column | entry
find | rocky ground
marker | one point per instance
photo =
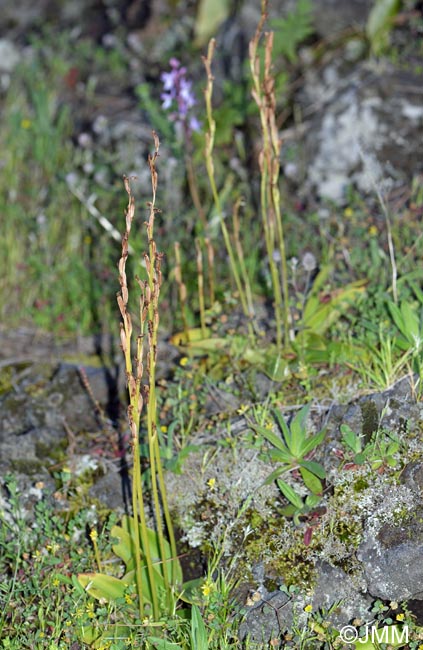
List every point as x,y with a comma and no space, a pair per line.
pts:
360,121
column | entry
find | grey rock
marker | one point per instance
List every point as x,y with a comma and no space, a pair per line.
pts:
334,586
331,16
412,476
271,615
9,55
366,129
109,489
392,560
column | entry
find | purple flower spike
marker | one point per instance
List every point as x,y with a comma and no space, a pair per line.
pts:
179,97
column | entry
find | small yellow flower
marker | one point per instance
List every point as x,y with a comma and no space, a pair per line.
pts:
146,620
56,582
90,610
93,535
211,483
348,212
163,428
26,124
183,362
243,409
41,635
53,548
308,609
208,588
400,617
373,231
128,600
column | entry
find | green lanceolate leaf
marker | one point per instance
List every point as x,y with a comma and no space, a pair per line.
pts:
191,591
379,23
412,324
311,481
299,431
290,494
276,473
100,586
199,639
126,547
312,500
314,468
319,315
283,427
311,443
351,439
273,438
281,457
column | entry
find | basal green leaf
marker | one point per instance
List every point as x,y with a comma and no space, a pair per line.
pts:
311,481
125,546
281,457
199,640
311,443
411,323
271,437
319,315
314,468
191,591
380,22
283,426
351,439
313,500
99,586
298,430
290,494
275,474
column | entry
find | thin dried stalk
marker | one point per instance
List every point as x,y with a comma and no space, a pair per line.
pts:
210,171
200,280
182,290
210,263
263,93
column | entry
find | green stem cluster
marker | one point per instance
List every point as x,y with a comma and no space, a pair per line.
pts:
139,395
247,307
263,93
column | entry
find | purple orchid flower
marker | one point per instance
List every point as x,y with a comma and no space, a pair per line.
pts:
178,93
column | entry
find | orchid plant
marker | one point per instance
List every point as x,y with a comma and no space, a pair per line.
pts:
178,95
178,98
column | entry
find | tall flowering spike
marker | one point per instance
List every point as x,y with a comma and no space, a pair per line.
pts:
178,97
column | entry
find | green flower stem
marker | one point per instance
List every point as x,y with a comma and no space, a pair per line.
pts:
264,96
153,262
210,171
